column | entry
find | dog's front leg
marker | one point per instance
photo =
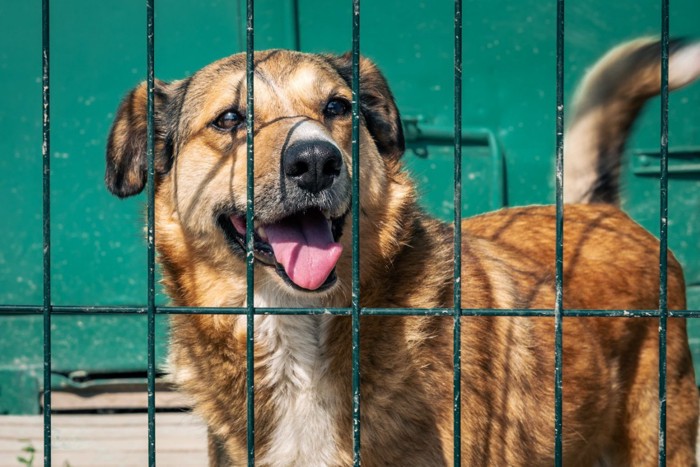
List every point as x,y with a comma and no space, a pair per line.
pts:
217,451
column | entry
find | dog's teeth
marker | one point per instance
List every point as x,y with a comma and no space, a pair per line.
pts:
256,224
326,213
261,233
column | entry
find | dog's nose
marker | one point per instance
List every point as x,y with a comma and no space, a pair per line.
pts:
313,165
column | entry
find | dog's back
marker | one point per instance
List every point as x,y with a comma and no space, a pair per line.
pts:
303,364
610,262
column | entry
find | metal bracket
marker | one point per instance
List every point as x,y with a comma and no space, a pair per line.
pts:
680,161
419,135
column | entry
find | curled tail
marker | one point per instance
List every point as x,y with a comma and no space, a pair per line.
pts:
605,107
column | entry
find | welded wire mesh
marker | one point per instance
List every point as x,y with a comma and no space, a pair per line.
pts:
355,311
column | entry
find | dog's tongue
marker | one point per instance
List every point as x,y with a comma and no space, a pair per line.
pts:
304,246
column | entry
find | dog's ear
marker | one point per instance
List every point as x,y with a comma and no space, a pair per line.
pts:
127,163
377,104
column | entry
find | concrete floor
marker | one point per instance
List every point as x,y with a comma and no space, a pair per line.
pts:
106,440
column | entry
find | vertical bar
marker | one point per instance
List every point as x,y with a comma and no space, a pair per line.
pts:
558,306
294,17
250,258
150,144
663,232
356,231
46,156
457,299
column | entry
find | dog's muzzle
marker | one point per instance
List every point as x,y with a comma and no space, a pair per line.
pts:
312,165
298,233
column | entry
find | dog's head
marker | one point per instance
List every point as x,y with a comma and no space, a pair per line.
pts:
302,142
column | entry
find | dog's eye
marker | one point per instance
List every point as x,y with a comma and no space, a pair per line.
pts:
228,120
337,107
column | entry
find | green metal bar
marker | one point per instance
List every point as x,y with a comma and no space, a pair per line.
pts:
683,313
291,12
675,169
356,231
250,257
559,303
46,157
30,310
151,305
437,312
426,133
498,178
663,232
681,160
457,284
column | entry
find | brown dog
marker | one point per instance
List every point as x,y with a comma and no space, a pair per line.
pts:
302,198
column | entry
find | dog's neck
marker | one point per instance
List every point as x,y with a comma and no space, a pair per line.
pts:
303,362
293,348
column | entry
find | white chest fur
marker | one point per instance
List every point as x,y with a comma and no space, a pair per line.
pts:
294,369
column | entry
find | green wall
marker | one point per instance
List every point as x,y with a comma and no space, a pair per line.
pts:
98,54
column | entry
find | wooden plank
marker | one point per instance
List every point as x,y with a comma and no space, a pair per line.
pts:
65,400
106,440
114,395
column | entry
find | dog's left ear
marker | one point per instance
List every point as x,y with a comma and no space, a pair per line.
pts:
377,104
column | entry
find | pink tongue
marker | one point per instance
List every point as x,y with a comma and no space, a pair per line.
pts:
304,246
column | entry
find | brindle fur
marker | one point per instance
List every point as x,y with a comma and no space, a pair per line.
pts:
610,365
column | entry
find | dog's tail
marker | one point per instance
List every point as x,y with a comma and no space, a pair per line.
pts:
605,107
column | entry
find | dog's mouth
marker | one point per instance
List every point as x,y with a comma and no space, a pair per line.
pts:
303,247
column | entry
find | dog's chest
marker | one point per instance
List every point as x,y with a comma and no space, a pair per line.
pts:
294,369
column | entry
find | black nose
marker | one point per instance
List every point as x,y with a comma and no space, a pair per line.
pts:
313,165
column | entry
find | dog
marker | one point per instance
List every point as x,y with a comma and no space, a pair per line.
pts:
303,399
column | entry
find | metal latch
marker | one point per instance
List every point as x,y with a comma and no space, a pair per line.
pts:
420,133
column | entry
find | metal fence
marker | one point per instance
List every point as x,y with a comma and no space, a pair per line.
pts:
355,311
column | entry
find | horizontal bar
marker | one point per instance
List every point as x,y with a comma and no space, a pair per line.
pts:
470,136
680,160
29,310
19,310
689,168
